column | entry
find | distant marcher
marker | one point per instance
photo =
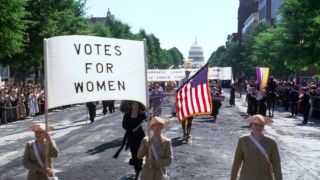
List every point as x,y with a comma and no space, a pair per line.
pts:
305,104
105,107
34,155
294,98
186,123
161,150
132,123
216,105
232,95
262,103
156,96
257,154
252,102
92,108
111,106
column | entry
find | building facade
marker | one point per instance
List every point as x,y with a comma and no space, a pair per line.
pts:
249,24
246,8
268,10
196,55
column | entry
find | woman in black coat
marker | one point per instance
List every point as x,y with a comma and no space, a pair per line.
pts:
132,123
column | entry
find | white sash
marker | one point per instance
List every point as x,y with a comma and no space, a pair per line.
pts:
164,175
263,151
36,152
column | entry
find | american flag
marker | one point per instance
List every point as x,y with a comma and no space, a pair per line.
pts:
194,96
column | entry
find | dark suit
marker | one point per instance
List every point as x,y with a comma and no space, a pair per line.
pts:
92,106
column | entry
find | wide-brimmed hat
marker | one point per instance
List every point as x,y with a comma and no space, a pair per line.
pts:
259,119
159,120
39,127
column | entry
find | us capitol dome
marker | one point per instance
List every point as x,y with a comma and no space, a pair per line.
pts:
196,55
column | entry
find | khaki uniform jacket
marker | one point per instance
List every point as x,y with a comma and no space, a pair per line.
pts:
164,152
254,163
30,161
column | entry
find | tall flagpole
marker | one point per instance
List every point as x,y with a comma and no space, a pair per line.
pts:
147,95
46,94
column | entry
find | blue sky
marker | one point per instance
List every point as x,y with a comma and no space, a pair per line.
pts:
175,22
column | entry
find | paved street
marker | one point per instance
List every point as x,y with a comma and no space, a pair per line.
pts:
86,150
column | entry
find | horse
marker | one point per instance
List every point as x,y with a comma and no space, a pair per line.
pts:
271,100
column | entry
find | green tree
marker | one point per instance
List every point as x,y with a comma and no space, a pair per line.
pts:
51,18
300,25
176,56
12,29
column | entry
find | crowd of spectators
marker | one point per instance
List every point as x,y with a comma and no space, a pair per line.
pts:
285,89
21,102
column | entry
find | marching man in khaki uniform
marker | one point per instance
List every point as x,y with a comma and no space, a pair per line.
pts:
161,152
257,153
34,155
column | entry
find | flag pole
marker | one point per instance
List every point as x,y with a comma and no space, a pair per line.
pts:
46,94
147,96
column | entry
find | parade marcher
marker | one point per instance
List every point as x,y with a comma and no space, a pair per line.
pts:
216,103
173,99
35,154
294,98
252,101
111,106
241,88
305,104
286,98
257,154
232,95
132,123
272,85
161,152
156,94
104,107
92,107
187,123
262,103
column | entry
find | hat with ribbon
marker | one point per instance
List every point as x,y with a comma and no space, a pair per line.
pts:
39,127
259,119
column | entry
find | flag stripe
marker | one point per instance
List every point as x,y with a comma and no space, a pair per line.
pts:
206,98
198,102
189,102
186,97
194,96
194,100
202,99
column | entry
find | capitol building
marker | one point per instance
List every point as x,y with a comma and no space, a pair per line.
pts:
196,55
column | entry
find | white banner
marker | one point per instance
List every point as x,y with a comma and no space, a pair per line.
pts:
221,73
87,68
